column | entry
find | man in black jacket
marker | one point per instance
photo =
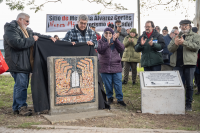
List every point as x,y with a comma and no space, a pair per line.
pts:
18,39
151,44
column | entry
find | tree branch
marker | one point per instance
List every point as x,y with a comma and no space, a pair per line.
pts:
162,4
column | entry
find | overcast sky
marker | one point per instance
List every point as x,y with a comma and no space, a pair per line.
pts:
38,20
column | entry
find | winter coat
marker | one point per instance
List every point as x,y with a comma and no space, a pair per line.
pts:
191,46
167,40
151,55
17,47
129,54
110,60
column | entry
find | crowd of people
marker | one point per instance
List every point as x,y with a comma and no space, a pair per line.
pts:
118,50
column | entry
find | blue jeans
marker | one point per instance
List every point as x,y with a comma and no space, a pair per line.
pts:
113,78
153,68
20,90
187,76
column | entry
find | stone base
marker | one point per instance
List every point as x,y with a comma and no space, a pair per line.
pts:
162,100
75,116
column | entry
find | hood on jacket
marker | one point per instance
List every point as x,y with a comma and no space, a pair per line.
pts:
14,24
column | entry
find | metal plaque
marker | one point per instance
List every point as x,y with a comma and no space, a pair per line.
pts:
162,78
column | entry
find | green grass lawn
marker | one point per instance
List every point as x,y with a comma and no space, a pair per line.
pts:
6,91
125,117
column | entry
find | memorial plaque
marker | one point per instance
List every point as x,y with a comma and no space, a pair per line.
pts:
162,78
162,92
73,84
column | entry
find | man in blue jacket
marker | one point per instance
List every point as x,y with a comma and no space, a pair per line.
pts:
166,66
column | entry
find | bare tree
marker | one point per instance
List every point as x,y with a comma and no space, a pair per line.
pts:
20,4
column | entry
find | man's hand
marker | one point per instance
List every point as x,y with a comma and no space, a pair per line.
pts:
176,40
114,37
132,40
35,38
151,42
143,41
119,29
73,43
181,40
117,35
129,39
90,43
53,39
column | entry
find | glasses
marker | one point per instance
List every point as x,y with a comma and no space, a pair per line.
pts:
83,23
108,33
119,25
182,26
147,27
26,21
176,34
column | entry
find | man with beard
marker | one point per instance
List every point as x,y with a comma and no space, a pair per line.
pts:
185,47
151,44
165,31
18,44
81,33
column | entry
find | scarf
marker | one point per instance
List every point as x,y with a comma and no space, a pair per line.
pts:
31,48
149,34
111,42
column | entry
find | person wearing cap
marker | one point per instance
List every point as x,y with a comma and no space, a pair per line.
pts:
151,44
166,54
185,47
109,48
97,34
130,57
121,34
165,31
197,70
81,33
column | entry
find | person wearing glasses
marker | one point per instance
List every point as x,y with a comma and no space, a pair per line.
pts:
166,54
109,48
121,34
185,47
18,45
151,44
81,33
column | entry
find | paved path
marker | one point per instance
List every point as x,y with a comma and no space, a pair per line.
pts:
78,129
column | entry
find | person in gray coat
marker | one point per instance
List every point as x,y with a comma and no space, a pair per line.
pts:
121,34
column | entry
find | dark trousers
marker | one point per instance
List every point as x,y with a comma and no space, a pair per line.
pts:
188,74
122,63
127,66
197,80
153,68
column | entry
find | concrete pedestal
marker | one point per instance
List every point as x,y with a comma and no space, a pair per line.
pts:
162,99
